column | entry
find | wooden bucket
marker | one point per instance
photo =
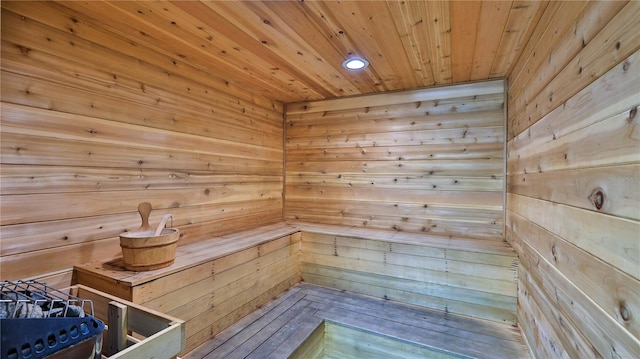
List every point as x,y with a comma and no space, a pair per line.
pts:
147,249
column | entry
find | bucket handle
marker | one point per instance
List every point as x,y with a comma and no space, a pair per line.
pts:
144,209
162,224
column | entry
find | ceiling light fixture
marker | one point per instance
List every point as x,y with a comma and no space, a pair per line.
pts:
355,63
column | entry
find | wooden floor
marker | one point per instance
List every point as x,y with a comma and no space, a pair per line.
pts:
278,328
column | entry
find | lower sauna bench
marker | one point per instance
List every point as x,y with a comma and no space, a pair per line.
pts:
313,322
213,283
467,276
459,294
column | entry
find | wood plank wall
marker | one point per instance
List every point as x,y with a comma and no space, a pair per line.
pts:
573,205
429,160
93,124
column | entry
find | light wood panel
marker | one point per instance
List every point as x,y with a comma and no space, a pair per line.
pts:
349,343
580,58
85,33
551,29
40,81
452,277
573,213
613,239
290,51
578,188
428,160
94,123
612,290
312,347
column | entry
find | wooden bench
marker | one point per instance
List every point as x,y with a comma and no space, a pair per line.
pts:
215,283
466,276
212,284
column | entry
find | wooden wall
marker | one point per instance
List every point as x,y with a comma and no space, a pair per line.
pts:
573,205
93,124
428,160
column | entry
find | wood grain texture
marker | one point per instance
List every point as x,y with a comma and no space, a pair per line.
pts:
285,51
478,283
573,213
310,321
611,289
107,104
580,60
212,283
418,161
93,124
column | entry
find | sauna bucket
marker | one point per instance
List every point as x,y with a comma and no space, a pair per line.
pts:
148,249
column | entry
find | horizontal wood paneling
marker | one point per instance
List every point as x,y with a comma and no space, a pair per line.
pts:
83,33
436,152
573,211
36,235
349,343
612,239
612,290
44,179
428,160
94,123
479,282
594,44
154,106
576,188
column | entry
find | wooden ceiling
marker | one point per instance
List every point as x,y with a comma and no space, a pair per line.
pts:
291,51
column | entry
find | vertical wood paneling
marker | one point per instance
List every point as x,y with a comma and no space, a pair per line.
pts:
573,213
410,24
516,34
493,17
464,23
421,161
431,26
94,123
291,51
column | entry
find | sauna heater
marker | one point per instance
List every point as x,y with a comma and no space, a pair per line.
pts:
38,321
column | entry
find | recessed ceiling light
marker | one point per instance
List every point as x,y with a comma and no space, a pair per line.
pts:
355,63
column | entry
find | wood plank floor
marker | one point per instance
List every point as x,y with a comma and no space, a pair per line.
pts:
278,328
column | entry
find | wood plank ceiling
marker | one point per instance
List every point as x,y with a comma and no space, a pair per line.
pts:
291,51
